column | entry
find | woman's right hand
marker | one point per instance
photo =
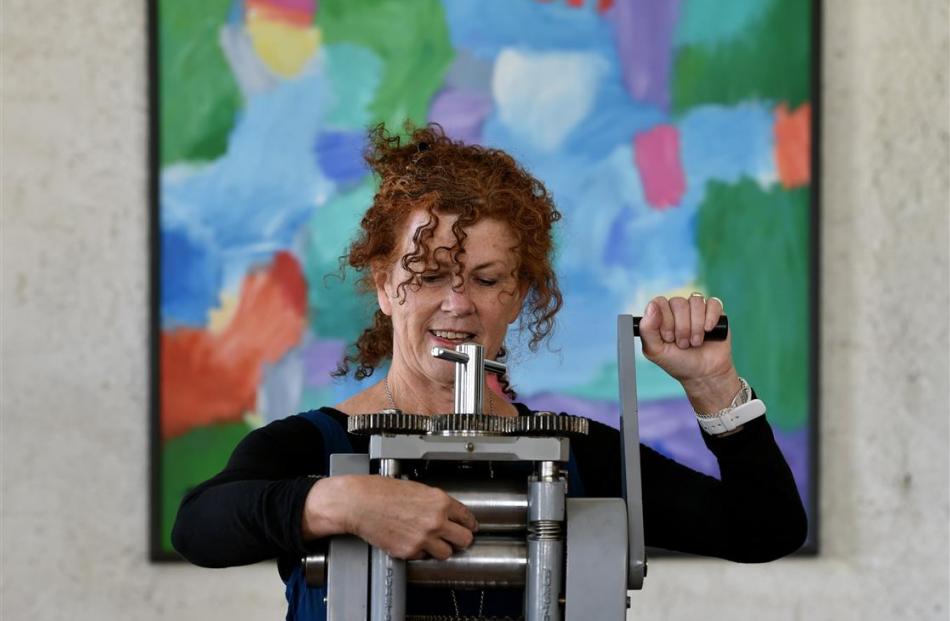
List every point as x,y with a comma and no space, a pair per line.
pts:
408,520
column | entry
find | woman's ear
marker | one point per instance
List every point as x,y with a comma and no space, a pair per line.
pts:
381,280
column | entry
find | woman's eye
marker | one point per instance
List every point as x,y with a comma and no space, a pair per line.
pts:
487,282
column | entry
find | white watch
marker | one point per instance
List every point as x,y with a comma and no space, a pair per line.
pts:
742,409
731,418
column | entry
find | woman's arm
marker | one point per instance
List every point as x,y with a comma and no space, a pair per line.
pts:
251,511
269,502
754,514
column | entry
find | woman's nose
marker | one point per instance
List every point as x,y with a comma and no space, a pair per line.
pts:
457,301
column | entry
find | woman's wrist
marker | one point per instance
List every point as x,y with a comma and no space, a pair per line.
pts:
713,393
324,512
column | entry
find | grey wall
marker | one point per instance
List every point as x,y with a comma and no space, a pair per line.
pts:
74,346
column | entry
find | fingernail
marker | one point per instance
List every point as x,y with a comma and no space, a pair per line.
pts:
651,309
683,343
668,337
695,341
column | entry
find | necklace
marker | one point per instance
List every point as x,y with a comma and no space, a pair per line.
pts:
491,411
392,402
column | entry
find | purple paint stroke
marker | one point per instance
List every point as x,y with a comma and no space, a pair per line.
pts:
461,113
320,359
606,412
644,36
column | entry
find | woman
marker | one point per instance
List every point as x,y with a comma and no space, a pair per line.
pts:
457,246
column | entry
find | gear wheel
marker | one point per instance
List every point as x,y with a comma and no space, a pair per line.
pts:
389,421
551,424
398,422
471,424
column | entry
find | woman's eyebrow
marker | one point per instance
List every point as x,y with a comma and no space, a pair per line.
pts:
486,264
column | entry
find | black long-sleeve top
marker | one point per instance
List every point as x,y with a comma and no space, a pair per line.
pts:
252,510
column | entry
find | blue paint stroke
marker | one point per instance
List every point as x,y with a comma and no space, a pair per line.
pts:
340,155
727,143
485,28
190,275
252,201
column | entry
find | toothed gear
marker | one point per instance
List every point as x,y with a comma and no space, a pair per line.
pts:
550,424
472,424
400,423
389,421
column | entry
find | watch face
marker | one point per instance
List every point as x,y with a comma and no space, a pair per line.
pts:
744,396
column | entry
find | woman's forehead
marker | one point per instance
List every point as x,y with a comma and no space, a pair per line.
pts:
488,237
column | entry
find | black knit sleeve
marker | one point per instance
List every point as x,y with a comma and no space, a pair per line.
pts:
252,510
753,514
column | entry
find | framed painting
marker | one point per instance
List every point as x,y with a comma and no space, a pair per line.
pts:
678,137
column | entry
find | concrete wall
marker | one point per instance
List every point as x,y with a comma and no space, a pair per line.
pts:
75,350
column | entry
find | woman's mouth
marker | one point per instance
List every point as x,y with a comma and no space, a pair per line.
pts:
451,337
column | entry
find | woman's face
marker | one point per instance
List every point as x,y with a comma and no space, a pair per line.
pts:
432,314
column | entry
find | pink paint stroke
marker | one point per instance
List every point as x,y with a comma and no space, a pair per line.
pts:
657,157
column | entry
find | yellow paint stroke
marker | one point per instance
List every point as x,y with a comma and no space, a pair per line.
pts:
283,47
219,318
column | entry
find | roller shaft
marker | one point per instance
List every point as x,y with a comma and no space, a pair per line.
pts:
499,506
490,562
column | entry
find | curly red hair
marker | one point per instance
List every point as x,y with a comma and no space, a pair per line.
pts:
428,170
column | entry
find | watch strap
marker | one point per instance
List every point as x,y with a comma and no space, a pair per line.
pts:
732,418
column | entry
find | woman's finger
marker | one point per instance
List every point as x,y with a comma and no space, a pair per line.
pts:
457,535
681,321
666,318
697,318
650,327
713,313
437,548
460,514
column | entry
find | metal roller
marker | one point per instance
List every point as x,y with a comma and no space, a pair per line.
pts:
499,506
491,562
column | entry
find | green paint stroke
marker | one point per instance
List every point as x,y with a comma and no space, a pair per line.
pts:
755,255
198,95
411,39
192,459
769,60
709,22
336,310
354,72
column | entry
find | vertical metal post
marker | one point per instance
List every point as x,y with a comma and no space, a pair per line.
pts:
630,447
545,576
470,379
348,562
387,574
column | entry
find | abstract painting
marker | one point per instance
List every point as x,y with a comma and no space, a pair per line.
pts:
677,137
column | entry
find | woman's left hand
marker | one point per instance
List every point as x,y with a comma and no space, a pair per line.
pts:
673,335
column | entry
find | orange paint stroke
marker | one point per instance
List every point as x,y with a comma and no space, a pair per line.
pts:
285,14
213,377
793,145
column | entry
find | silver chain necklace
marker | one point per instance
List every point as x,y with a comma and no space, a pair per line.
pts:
491,411
392,402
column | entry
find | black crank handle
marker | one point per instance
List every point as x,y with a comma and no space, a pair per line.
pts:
718,333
